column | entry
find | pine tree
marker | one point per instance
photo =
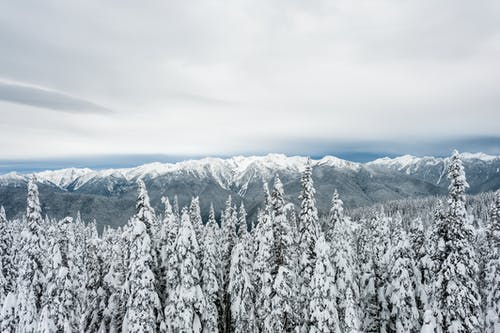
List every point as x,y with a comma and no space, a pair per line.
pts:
60,312
210,276
323,302
7,271
168,236
336,214
229,219
8,323
283,269
262,270
94,296
242,222
241,289
189,298
457,294
309,231
143,312
423,271
195,217
492,276
115,283
344,260
31,277
401,293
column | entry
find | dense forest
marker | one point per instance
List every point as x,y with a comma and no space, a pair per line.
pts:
423,265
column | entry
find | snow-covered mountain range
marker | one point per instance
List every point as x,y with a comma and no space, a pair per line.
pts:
103,194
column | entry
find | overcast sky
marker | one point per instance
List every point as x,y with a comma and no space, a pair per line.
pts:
213,77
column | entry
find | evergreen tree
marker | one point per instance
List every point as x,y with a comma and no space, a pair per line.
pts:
283,269
242,222
143,312
31,277
115,283
229,219
457,294
423,265
336,214
401,292
210,276
344,260
241,289
195,217
60,312
309,231
262,269
323,301
7,271
189,298
94,296
8,323
492,276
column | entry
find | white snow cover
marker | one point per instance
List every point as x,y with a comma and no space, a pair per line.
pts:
235,170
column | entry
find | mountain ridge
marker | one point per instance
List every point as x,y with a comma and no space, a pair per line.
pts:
108,195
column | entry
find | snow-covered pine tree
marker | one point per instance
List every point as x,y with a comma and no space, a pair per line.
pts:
374,260
492,276
262,271
31,257
114,282
457,293
340,236
336,214
143,310
167,238
423,264
61,312
242,222
196,221
210,276
8,322
229,219
94,294
283,269
308,231
189,297
7,271
401,293
241,289
323,297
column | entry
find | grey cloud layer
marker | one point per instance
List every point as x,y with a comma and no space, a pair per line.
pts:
44,98
205,77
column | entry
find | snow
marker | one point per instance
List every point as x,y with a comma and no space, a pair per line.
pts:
234,171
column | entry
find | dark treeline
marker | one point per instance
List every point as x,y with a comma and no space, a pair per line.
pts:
420,265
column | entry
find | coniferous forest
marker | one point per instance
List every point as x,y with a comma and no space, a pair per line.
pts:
414,266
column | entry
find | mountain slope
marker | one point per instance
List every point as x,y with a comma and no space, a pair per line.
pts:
108,195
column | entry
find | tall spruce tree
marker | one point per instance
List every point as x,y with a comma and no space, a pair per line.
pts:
143,309
492,276
189,299
340,236
210,277
323,297
401,293
263,264
309,231
31,258
456,292
7,270
60,312
283,269
241,289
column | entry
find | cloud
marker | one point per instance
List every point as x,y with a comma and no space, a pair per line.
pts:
228,77
45,98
